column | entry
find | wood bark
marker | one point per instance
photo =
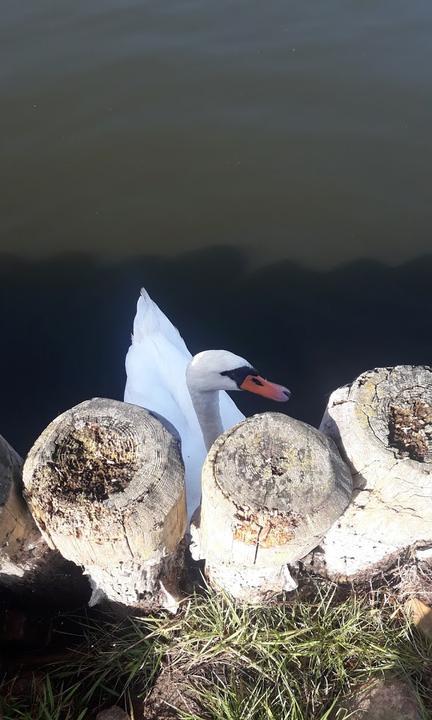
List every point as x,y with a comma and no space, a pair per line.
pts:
105,483
382,424
28,567
271,488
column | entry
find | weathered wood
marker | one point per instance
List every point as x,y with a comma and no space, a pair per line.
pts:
105,484
28,567
382,424
271,488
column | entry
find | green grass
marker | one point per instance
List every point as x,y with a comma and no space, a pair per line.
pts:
295,661
291,661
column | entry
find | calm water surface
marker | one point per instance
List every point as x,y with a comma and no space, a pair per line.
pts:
291,129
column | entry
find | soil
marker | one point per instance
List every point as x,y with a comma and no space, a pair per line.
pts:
171,693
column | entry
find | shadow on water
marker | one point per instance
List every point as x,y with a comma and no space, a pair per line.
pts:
66,325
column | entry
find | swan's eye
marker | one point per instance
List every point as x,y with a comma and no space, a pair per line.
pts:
256,381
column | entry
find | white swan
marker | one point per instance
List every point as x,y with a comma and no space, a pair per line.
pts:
163,377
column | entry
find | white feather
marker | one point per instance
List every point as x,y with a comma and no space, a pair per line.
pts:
156,365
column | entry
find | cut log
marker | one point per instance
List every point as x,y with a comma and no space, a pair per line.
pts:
382,424
271,487
105,483
28,567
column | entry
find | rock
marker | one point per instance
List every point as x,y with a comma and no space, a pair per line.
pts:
420,615
388,699
382,424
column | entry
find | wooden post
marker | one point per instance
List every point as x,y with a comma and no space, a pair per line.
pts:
105,484
382,424
271,488
28,567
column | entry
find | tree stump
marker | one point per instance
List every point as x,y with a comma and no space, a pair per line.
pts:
271,488
382,424
28,567
105,483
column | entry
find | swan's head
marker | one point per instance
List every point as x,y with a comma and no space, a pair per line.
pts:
222,370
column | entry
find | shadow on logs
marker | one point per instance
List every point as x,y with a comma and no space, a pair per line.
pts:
105,484
271,488
31,572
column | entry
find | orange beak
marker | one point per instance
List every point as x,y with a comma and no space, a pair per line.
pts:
258,385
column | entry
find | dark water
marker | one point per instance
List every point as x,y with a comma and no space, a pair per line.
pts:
231,156
290,129
66,325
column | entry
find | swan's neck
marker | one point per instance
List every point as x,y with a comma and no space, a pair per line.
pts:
206,406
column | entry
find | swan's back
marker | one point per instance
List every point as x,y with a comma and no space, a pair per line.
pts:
156,380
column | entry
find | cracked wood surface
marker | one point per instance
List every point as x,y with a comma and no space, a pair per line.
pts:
271,488
391,510
105,482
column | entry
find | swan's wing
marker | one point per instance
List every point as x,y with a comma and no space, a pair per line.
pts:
156,365
151,321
